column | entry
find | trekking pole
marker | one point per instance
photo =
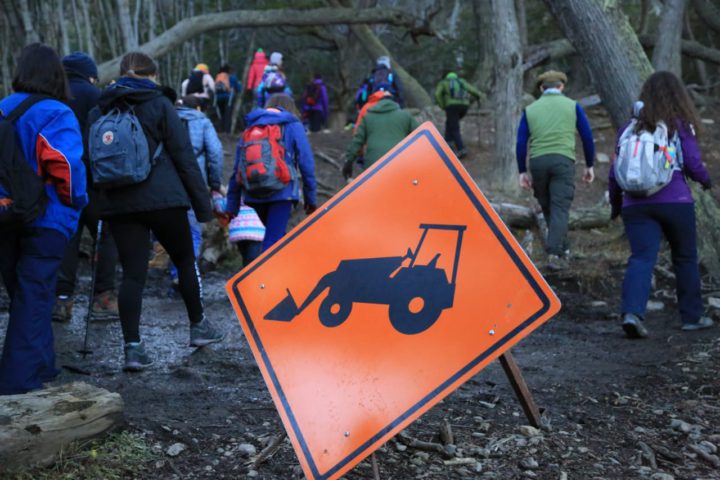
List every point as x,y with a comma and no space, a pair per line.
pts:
91,296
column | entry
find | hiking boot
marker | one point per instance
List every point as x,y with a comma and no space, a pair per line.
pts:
633,326
160,259
204,333
704,322
105,306
557,263
62,311
136,359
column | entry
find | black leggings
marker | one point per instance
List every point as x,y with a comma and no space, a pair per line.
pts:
132,236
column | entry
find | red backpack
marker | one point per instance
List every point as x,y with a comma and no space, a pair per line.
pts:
262,170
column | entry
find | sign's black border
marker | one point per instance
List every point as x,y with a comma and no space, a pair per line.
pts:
323,211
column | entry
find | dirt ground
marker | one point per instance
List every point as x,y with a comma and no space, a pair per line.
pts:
613,408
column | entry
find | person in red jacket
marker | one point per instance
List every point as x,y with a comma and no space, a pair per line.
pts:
257,68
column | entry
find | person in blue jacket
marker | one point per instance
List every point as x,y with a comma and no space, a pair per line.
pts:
275,210
208,152
51,142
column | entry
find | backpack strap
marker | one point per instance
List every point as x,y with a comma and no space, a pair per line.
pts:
24,106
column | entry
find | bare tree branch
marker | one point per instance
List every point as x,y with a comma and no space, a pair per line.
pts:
689,48
196,25
708,12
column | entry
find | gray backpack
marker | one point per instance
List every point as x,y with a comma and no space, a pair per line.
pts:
118,150
646,160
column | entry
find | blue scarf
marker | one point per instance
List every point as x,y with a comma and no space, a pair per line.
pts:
136,83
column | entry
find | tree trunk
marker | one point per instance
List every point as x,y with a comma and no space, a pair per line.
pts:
709,13
126,30
31,36
484,18
699,64
610,49
89,37
707,213
191,27
666,54
37,426
550,51
507,93
521,14
63,28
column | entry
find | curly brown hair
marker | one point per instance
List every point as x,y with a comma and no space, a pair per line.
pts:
666,99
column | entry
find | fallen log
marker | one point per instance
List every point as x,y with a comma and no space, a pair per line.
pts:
589,218
515,216
518,216
36,427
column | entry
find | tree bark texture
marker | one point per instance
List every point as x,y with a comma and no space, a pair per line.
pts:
666,54
709,13
507,92
31,36
126,28
196,25
600,32
35,427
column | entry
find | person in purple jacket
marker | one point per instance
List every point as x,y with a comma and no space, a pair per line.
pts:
315,104
669,212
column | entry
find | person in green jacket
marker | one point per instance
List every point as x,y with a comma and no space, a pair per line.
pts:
383,127
453,95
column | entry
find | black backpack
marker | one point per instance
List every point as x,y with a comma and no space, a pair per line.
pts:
195,82
26,189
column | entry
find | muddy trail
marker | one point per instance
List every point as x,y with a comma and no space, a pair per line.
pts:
612,408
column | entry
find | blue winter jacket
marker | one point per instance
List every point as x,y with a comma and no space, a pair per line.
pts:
206,145
52,144
298,155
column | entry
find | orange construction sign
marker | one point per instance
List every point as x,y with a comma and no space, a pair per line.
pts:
399,289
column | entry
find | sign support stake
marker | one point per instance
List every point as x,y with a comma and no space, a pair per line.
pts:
514,375
375,467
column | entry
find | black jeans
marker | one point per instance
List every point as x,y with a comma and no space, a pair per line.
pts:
224,105
106,255
553,178
453,115
132,236
316,120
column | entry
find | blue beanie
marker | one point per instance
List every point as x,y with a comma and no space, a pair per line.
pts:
80,64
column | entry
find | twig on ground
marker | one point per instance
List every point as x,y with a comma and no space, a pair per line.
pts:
328,159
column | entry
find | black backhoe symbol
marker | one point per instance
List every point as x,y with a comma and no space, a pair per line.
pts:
416,294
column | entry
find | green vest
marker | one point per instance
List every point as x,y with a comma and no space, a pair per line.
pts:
551,120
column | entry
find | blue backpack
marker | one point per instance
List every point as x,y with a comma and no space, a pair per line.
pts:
118,150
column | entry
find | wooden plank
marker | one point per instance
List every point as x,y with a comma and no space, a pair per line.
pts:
521,389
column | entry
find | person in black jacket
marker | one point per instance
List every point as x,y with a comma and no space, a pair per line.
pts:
158,204
82,74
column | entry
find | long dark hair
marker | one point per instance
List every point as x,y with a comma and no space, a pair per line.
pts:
666,99
39,70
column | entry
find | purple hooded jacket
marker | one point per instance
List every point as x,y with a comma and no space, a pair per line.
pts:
322,102
677,191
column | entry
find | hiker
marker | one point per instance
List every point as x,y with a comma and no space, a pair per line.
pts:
82,75
383,127
157,204
669,212
274,207
257,68
227,87
273,80
549,125
200,83
452,94
315,104
381,76
208,151
48,138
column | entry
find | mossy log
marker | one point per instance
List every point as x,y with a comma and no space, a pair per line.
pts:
35,427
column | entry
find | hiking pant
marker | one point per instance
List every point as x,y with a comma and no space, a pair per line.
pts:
645,225
132,236
275,216
553,178
453,115
315,118
224,106
106,255
29,265
196,230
